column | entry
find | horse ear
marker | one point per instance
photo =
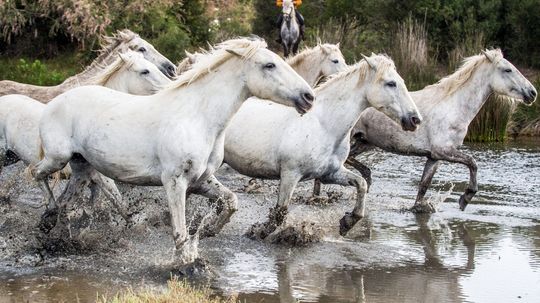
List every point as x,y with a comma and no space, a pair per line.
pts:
190,56
235,52
337,44
488,55
369,62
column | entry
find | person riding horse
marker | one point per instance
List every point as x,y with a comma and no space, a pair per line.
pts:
300,19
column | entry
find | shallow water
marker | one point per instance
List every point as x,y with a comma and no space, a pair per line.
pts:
488,253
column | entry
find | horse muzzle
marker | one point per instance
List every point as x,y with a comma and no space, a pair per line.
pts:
168,69
529,96
410,122
304,103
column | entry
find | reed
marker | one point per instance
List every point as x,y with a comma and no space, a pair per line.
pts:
491,122
410,51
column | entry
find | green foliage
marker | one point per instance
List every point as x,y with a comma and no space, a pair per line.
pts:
37,72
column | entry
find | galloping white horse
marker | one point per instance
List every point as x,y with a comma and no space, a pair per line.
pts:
448,108
121,42
174,138
20,115
270,141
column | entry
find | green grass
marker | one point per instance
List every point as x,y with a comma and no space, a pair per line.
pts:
40,72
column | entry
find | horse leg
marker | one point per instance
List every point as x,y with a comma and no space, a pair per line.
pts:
277,215
316,188
227,205
346,177
51,163
295,47
111,192
455,156
361,168
421,205
186,246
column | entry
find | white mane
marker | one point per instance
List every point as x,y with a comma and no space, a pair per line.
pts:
453,82
216,57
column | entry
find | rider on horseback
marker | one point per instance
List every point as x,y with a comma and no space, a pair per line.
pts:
300,19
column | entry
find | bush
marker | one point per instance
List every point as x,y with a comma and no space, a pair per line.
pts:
36,72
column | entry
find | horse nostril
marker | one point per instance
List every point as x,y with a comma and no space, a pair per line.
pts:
308,97
532,92
415,120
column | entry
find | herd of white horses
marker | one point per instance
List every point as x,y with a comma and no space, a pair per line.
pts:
132,116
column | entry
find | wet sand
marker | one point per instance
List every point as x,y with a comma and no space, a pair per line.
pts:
489,253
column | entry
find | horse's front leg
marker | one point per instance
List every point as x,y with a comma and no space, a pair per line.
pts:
186,246
277,215
455,156
226,201
421,205
361,168
346,177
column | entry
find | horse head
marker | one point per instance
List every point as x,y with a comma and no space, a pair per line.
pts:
388,92
135,43
505,79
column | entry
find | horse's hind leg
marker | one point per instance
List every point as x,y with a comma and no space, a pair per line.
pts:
455,156
109,189
346,177
421,205
295,47
41,171
227,204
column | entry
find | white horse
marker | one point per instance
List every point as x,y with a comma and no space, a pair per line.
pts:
266,140
290,29
318,62
20,115
121,42
448,107
174,138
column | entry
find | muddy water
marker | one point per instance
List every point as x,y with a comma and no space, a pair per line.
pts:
489,253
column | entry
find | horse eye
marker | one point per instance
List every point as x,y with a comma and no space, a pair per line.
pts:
391,83
507,70
336,61
270,66
142,49
145,72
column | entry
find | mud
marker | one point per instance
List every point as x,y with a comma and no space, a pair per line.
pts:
391,255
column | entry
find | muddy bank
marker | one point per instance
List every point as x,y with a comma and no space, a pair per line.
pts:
391,256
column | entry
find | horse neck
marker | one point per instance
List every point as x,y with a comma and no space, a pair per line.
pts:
339,105
215,98
471,96
308,68
104,59
117,82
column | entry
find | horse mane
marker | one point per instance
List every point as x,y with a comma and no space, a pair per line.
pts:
463,74
216,56
110,43
361,68
105,73
308,51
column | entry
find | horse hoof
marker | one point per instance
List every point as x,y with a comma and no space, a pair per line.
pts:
188,251
423,208
463,203
48,220
347,222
